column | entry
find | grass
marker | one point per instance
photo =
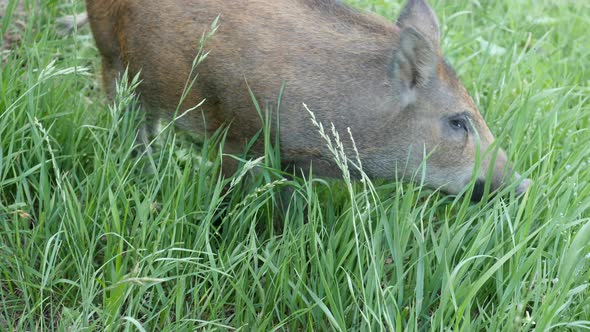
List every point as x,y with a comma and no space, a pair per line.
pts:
89,241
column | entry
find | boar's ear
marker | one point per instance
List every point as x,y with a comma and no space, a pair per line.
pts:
418,15
414,64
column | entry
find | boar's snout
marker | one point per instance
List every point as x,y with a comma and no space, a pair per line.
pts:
498,184
523,186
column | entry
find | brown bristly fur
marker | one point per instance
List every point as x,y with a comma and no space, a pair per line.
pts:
388,82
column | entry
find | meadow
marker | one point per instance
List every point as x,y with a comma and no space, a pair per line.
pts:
90,241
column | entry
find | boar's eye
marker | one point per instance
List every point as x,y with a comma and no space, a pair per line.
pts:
459,123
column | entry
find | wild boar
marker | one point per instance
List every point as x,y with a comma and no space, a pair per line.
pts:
387,82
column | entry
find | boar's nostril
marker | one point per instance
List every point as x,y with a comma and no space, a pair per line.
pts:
523,186
478,190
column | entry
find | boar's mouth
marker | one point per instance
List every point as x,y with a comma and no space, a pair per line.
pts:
478,191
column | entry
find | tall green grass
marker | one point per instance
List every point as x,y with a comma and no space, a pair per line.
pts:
91,241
